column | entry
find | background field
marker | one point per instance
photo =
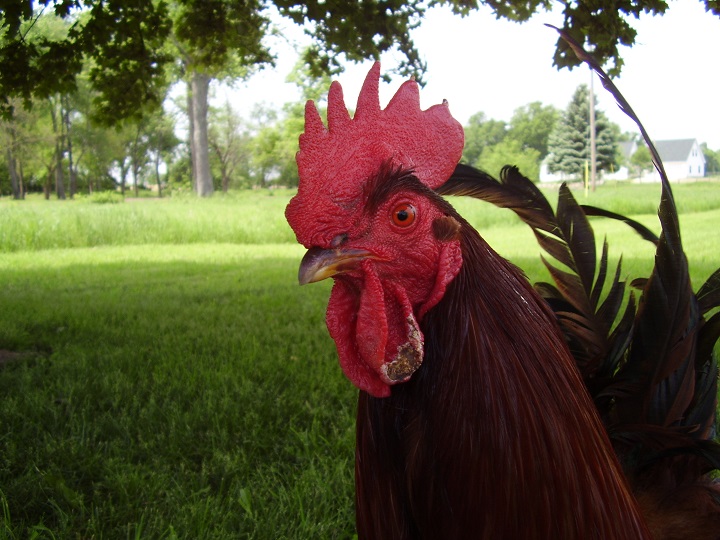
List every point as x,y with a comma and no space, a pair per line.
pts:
163,376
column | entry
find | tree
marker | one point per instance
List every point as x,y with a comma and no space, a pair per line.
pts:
129,46
91,142
641,160
14,167
602,25
510,152
531,126
104,152
712,160
17,138
161,143
122,38
481,132
230,143
491,144
569,142
275,145
215,39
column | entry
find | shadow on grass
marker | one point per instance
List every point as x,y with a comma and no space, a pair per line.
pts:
178,399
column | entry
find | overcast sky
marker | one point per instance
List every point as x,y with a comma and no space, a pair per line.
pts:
478,63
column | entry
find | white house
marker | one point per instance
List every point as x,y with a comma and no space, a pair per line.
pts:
682,158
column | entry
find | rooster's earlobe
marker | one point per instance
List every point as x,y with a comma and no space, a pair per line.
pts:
446,228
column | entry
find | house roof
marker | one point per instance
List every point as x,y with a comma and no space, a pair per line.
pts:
674,150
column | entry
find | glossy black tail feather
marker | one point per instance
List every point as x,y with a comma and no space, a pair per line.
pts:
665,356
650,369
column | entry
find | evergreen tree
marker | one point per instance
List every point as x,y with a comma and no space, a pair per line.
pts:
569,143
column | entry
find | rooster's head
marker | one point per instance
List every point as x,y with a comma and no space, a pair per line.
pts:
366,211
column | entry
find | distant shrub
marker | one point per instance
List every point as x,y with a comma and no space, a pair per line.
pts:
104,197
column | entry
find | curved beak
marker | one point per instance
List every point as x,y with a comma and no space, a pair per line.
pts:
319,263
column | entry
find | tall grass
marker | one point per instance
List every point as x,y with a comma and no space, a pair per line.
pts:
256,217
163,376
244,218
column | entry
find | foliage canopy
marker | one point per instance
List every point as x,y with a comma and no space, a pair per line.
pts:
125,40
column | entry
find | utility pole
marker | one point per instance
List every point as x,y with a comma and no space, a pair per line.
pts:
593,155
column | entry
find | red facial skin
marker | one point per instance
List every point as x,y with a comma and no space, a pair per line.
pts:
375,308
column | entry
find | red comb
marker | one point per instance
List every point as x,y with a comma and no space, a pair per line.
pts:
335,162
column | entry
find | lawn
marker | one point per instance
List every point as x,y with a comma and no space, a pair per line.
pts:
163,376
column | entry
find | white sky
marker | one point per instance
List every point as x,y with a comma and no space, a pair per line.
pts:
479,63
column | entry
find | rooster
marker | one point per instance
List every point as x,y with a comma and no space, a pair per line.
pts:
489,408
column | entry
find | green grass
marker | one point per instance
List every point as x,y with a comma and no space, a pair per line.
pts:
243,218
171,380
173,391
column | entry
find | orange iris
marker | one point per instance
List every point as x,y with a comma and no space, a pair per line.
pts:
403,215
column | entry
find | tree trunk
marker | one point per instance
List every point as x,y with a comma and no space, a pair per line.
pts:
223,159
21,180
224,169
59,179
71,170
200,84
14,179
58,129
135,160
191,130
47,186
157,174
135,184
123,175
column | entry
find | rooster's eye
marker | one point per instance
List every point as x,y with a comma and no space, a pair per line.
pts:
403,215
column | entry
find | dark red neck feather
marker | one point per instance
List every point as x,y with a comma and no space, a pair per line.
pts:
494,437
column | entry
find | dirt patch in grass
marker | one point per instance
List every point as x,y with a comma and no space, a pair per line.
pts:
9,357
